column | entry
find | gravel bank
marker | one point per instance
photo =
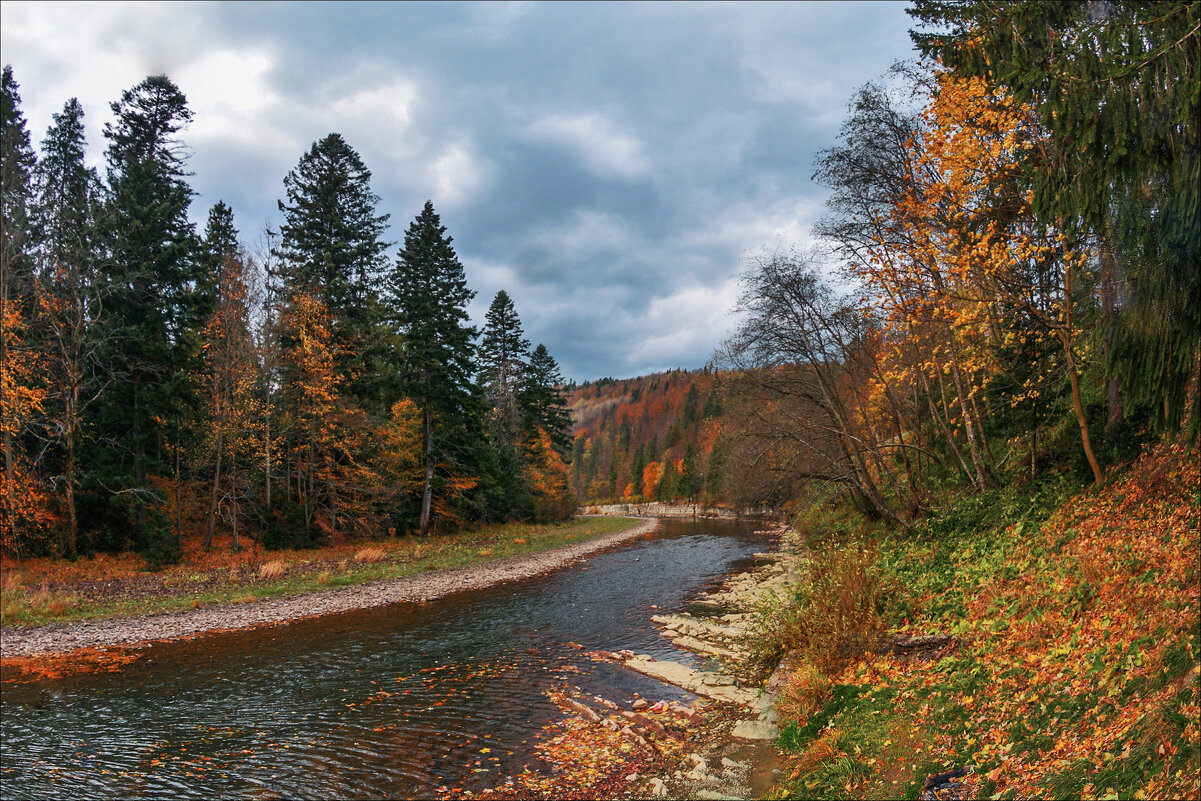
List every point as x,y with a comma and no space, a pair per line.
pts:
22,641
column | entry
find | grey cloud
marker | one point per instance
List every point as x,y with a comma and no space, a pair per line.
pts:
594,160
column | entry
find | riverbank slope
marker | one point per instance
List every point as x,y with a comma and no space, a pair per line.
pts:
1038,641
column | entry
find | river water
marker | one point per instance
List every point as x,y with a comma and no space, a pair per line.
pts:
393,701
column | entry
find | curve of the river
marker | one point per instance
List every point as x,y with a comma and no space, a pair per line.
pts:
392,701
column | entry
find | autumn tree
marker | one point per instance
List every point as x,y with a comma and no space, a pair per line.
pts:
24,510
1114,86
16,163
801,343
546,474
427,297
235,415
324,430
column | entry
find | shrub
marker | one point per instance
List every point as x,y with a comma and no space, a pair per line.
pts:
838,611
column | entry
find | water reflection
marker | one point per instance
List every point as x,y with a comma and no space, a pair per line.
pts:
396,700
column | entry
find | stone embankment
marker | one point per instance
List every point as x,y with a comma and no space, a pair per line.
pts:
672,510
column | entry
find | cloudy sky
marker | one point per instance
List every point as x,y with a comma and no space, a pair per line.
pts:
607,165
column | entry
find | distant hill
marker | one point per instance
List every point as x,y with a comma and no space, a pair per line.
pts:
654,437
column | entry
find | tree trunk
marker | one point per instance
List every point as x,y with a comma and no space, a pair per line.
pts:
944,424
1109,312
208,539
1065,337
72,519
969,428
427,494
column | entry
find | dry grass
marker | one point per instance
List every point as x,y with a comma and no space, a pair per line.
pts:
484,552
269,571
821,750
323,577
804,693
370,555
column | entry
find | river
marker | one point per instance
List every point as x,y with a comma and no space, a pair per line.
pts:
394,701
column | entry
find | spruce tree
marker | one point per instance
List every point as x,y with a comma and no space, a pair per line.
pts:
220,236
427,295
503,356
332,245
542,401
155,311
17,160
65,209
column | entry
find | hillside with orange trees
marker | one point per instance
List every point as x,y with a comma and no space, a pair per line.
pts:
655,437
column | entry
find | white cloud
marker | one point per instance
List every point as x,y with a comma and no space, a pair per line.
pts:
231,94
606,149
386,109
681,325
457,176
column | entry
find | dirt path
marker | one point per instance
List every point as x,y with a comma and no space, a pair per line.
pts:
21,641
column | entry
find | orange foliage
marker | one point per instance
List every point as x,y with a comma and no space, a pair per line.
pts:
23,499
650,479
547,477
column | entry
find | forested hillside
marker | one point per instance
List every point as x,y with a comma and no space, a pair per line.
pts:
158,382
651,438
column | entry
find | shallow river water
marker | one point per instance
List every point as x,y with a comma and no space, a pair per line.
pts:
392,701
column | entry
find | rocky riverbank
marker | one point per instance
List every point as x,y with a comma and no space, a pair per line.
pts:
24,642
722,745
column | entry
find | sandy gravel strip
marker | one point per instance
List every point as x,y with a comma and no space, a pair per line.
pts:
25,641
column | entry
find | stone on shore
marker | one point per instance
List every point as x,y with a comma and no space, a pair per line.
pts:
694,681
755,730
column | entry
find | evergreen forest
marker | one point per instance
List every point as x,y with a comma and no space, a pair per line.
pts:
161,382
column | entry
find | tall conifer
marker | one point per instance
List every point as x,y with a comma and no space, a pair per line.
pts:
332,245
428,296
156,309
71,295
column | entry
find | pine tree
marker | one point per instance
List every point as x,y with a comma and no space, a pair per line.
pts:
542,401
332,245
17,160
155,310
70,294
428,296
